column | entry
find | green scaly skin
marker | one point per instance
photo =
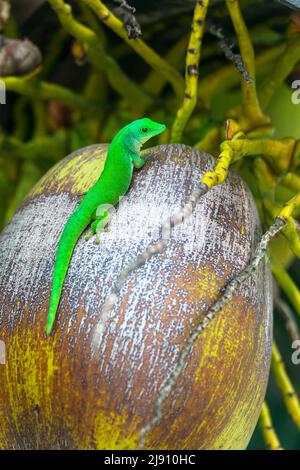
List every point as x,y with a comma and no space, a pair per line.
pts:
123,155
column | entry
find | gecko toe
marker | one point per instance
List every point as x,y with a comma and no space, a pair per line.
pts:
88,236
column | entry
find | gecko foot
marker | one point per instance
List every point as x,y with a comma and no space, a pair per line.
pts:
89,235
98,234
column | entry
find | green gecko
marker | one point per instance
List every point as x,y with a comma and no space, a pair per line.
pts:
113,183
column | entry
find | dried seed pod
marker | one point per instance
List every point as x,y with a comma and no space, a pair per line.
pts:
68,391
59,115
295,22
127,14
4,12
294,4
18,57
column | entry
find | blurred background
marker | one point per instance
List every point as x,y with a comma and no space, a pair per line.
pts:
39,124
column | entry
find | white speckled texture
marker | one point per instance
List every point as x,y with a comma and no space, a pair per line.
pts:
158,305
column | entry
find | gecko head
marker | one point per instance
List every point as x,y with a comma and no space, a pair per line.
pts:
143,129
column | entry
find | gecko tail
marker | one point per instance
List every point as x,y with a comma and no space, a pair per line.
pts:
51,317
56,290
73,228
49,326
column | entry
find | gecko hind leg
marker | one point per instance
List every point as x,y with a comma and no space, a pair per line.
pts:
103,228
97,226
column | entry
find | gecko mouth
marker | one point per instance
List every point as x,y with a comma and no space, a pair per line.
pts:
158,130
161,128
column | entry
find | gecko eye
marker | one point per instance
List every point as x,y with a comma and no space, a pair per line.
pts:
144,129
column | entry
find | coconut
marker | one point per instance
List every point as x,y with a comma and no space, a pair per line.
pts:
78,390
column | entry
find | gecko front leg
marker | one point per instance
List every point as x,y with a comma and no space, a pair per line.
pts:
138,161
